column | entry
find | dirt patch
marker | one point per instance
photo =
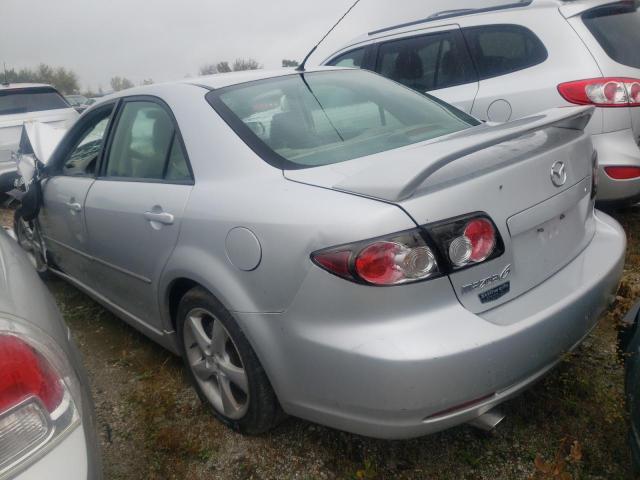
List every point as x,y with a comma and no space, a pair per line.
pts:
153,426
6,217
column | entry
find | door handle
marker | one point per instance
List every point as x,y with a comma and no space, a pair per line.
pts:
159,217
74,207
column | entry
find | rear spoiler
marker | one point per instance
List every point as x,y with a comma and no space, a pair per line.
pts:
576,8
401,181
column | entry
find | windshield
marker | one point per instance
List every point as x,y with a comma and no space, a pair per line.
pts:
319,118
30,100
617,29
76,100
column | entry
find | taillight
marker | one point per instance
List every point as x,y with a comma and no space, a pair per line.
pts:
24,374
415,255
603,92
37,392
401,258
623,172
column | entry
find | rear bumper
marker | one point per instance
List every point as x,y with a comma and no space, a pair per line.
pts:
66,461
618,148
389,377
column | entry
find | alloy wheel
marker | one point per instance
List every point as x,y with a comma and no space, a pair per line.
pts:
215,362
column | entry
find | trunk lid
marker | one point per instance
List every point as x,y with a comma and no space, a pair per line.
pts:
504,171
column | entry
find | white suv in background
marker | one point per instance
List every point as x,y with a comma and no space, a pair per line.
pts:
503,63
26,102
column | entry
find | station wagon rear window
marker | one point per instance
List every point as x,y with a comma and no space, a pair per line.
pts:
617,29
319,118
27,100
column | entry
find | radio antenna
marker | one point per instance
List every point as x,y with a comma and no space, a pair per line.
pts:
300,68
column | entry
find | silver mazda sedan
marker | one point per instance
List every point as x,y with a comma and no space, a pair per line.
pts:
333,245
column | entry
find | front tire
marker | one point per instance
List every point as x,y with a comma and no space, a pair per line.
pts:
222,366
29,240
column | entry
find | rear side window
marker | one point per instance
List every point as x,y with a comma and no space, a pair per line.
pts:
501,49
146,145
428,62
30,100
354,58
617,30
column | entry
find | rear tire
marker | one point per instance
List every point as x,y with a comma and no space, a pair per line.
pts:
29,241
222,366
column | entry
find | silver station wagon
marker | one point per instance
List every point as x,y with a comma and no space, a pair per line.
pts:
333,245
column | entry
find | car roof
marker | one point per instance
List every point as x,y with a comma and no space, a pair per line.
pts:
214,82
568,8
19,86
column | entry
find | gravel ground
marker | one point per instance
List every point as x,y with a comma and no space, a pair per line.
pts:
572,425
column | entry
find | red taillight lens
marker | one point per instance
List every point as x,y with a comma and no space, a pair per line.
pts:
389,263
377,263
603,92
38,394
24,374
476,243
408,257
483,238
402,258
623,173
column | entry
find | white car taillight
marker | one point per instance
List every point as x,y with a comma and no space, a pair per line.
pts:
415,255
39,394
603,92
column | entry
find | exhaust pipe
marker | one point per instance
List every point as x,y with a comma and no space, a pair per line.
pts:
488,421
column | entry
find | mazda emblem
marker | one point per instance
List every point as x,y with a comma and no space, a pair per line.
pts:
559,173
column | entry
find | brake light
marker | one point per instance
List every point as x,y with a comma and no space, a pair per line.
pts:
603,92
23,374
37,392
475,244
623,173
414,255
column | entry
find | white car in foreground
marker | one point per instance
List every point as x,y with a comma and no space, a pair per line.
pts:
47,427
27,102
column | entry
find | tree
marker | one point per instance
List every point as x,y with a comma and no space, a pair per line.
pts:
289,63
208,69
241,64
66,81
223,67
120,83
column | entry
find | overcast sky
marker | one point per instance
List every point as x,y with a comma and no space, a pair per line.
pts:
169,39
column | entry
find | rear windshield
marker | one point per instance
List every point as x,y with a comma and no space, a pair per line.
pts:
319,118
30,100
617,29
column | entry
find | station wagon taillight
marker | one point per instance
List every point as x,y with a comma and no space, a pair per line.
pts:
415,255
603,92
623,172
